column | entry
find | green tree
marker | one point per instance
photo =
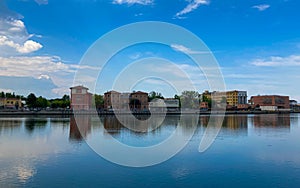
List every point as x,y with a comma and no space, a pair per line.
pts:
189,99
2,95
42,102
9,95
98,101
31,100
64,102
154,95
206,99
66,98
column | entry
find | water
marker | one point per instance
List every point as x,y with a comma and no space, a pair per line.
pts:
250,151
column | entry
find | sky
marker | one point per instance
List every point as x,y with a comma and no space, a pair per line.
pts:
256,44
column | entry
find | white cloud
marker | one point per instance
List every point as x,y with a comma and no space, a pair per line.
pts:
42,67
6,90
42,2
131,2
184,49
135,56
193,5
275,61
138,14
31,66
15,39
44,76
261,7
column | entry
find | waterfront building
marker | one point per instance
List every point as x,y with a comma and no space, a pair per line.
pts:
294,106
112,100
172,104
116,100
10,103
233,98
124,100
81,99
270,102
139,100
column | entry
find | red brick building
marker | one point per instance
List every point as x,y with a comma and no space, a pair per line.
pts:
139,100
112,100
277,101
116,100
81,99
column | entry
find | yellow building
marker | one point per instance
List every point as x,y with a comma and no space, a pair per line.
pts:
233,98
10,103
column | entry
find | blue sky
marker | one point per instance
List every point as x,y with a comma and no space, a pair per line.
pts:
256,43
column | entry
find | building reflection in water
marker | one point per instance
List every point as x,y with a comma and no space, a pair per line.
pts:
272,121
274,125
137,126
234,123
9,124
80,127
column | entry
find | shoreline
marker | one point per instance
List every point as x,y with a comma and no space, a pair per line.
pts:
70,113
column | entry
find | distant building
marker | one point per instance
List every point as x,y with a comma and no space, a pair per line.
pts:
81,99
112,100
116,100
294,105
243,106
124,100
139,100
172,103
233,98
270,102
169,104
10,103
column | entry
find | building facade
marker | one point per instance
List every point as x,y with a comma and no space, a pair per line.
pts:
139,100
11,103
233,98
270,102
81,99
112,100
125,101
294,106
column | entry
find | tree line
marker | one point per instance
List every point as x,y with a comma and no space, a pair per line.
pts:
188,99
32,101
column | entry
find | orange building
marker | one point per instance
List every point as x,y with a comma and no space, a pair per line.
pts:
81,99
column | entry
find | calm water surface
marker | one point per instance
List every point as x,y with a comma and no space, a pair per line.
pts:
250,151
